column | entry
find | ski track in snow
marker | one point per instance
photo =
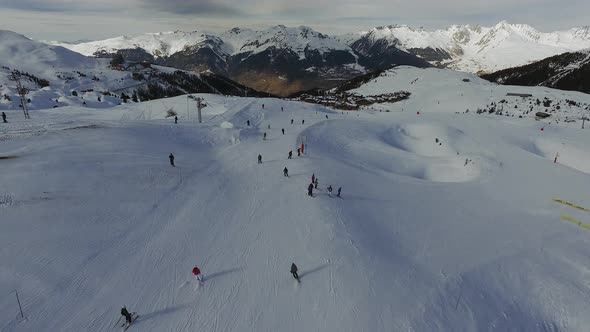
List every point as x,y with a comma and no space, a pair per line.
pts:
467,248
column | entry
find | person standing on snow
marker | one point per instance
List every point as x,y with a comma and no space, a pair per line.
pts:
339,190
310,190
303,121
290,154
286,172
260,159
313,178
330,190
281,108
248,123
125,312
283,130
298,152
316,183
4,117
175,119
171,157
294,271
291,121
197,274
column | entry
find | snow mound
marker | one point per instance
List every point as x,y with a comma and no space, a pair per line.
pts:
421,139
226,125
409,150
570,154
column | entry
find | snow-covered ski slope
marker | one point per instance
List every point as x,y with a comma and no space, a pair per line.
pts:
93,217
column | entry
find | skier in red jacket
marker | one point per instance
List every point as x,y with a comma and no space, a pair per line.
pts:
197,274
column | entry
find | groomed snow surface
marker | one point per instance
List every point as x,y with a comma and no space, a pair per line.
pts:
459,235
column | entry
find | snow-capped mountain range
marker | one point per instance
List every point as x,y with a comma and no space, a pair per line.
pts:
279,59
56,76
470,48
474,48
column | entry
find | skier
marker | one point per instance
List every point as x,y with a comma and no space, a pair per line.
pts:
175,119
286,172
264,137
283,130
290,154
310,190
330,190
259,159
262,106
316,183
127,315
197,274
294,271
326,116
269,126
339,190
4,117
303,121
291,121
313,178
248,123
298,152
171,157
281,108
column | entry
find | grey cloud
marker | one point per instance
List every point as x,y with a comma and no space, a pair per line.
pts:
58,6
192,7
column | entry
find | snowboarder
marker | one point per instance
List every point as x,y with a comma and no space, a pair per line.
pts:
127,315
291,121
260,159
339,190
4,117
290,154
316,183
330,190
294,271
197,274
298,152
248,123
175,119
264,137
286,172
310,190
171,157
283,130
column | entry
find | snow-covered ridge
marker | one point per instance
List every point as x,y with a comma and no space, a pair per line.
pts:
232,42
476,48
297,39
158,44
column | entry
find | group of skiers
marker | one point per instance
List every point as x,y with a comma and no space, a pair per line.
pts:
314,185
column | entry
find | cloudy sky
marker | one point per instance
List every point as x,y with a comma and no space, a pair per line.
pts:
97,19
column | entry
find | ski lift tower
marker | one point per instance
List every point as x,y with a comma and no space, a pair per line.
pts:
200,106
